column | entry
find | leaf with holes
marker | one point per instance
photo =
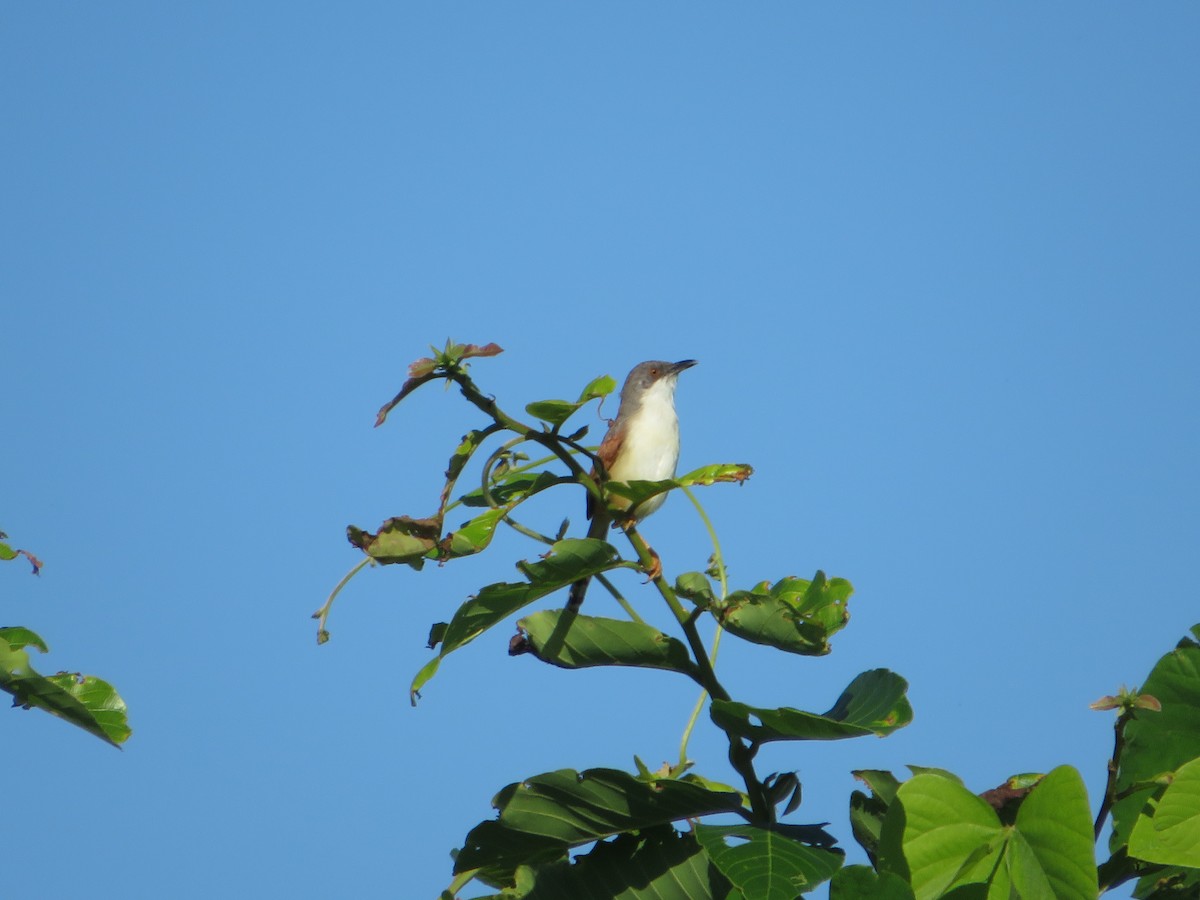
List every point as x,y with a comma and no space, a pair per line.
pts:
793,614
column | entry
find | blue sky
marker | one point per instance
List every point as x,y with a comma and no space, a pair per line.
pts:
938,264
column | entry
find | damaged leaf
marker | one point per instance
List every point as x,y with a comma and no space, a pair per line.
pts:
426,369
794,614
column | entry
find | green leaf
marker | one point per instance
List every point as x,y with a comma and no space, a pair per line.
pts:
654,864
555,412
638,491
863,883
874,703
542,817
1168,832
696,587
795,615
513,486
473,537
18,638
568,561
7,552
1169,884
1055,820
937,835
764,863
572,641
944,839
867,812
1158,742
598,387
462,455
84,701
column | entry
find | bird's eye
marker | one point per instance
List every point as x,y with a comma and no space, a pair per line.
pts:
654,370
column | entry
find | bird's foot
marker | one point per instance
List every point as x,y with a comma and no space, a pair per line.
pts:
655,570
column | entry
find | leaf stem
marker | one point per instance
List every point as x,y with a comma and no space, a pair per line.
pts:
322,614
719,562
741,757
1114,763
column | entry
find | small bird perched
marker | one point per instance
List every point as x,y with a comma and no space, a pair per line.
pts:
642,444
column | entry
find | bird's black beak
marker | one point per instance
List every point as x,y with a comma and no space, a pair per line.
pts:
682,364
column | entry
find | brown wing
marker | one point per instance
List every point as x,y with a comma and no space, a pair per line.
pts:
607,454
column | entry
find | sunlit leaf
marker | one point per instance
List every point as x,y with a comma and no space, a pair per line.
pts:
765,863
572,641
941,838
1168,831
638,491
598,387
795,615
696,587
555,412
84,701
18,638
473,537
1158,742
874,703
1055,821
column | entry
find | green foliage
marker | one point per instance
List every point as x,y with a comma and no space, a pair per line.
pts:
556,412
767,862
571,641
874,703
1168,829
603,833
83,700
542,817
793,614
938,836
568,561
864,883
1158,743
652,864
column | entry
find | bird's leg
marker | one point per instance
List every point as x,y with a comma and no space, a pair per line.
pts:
655,569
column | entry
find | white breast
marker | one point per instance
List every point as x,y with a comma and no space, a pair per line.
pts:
650,450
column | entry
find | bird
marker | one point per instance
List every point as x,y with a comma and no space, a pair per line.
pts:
641,444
